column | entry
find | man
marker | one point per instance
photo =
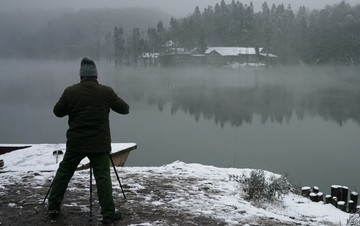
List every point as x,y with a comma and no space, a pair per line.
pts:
88,105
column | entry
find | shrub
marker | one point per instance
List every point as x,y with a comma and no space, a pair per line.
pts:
354,219
257,188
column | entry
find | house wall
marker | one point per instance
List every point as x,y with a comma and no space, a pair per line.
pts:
198,60
230,59
181,59
248,58
268,60
214,58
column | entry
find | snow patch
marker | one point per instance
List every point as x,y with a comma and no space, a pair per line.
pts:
191,188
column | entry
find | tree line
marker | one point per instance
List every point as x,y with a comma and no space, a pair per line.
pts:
66,34
128,49
329,35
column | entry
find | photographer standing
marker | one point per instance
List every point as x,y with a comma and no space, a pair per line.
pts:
88,105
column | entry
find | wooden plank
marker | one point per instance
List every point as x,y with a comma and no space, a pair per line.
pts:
6,149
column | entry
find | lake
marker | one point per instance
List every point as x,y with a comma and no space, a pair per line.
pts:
299,121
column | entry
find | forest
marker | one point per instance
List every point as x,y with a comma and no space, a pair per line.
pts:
327,36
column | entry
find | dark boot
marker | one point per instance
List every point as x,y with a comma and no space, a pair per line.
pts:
54,211
112,218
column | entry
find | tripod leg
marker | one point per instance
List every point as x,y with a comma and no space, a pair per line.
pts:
90,193
117,176
47,192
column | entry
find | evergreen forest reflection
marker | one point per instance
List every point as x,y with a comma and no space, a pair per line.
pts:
336,98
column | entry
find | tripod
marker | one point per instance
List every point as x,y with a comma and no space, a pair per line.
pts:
117,176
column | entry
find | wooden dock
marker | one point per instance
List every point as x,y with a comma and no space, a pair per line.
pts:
47,157
119,157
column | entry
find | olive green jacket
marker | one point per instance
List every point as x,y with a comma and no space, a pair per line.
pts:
88,105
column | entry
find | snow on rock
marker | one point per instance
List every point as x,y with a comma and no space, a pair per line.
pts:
195,189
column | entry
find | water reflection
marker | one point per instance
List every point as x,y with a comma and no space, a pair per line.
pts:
238,105
218,95
275,104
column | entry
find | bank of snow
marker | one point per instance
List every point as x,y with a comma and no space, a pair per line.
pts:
213,193
192,188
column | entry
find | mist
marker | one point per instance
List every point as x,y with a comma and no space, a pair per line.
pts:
279,119
293,35
173,7
299,115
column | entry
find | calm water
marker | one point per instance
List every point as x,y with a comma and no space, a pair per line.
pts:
299,121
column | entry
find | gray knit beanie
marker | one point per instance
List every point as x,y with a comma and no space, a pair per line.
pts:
88,68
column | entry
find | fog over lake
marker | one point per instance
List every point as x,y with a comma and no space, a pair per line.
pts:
300,121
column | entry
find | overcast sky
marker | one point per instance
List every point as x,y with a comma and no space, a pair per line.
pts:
173,7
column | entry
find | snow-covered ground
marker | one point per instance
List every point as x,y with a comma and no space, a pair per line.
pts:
195,189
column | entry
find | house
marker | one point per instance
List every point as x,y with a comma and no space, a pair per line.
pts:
215,56
181,56
229,55
222,55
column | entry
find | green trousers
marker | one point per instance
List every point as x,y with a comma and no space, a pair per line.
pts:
101,168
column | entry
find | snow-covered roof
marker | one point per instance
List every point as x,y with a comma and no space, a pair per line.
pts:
268,55
233,51
150,55
170,43
197,55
